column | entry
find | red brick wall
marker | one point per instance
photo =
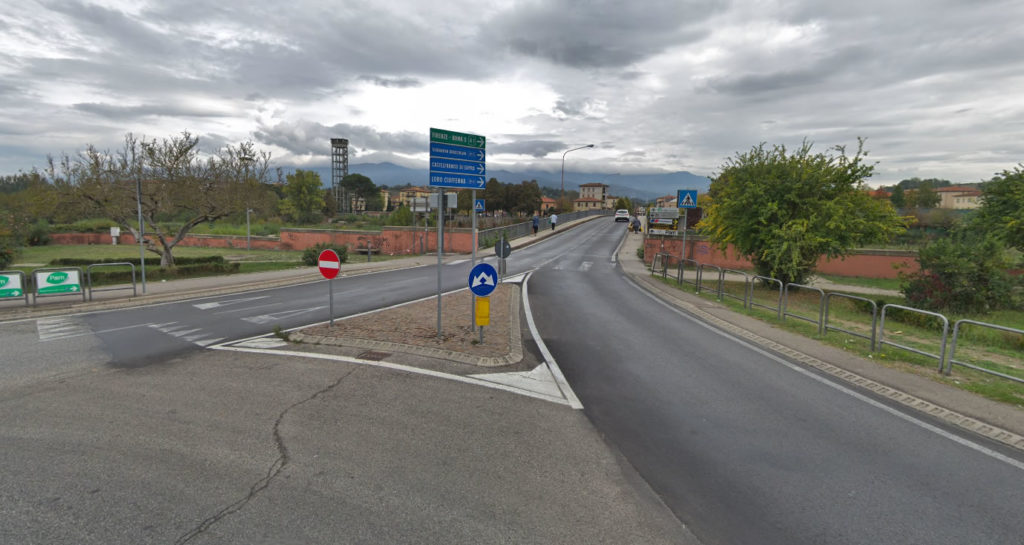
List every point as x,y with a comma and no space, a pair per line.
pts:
864,263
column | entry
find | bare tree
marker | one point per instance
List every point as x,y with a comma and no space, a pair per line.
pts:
177,187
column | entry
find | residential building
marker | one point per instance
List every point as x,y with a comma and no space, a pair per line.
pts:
587,203
594,191
959,197
668,201
406,196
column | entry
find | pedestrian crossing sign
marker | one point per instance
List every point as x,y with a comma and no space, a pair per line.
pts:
686,198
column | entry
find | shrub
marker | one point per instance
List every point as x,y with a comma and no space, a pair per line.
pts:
962,274
310,255
38,234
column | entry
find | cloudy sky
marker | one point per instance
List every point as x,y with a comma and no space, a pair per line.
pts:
935,86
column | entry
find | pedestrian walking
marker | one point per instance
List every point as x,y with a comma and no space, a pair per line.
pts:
554,220
536,224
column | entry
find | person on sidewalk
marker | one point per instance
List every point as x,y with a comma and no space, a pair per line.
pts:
554,220
536,224
635,224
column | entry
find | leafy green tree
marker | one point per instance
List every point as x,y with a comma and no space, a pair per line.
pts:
785,210
964,273
401,216
360,186
898,197
924,196
494,195
304,197
624,204
1002,207
175,182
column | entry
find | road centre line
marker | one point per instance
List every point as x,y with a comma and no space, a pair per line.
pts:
839,387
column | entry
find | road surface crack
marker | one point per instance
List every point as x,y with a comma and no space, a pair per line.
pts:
272,472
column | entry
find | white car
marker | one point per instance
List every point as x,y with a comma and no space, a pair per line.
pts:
622,215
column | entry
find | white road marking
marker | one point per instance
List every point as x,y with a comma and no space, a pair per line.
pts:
585,266
226,302
539,380
457,262
556,372
51,329
397,367
267,318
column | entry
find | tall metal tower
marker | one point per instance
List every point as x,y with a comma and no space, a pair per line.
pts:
339,169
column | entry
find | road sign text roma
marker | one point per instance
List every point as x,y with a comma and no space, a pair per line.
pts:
458,138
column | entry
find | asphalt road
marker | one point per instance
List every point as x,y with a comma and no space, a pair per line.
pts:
748,448
120,427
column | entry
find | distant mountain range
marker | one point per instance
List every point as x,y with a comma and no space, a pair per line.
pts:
636,186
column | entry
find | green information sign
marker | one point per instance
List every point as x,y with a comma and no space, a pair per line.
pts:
57,282
10,285
458,138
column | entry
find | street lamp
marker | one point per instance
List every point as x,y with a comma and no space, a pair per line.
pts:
563,169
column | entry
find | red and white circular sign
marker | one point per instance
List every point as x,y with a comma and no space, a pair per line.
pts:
330,264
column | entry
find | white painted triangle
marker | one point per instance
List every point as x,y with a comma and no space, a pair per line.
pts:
186,332
516,279
228,302
208,342
539,380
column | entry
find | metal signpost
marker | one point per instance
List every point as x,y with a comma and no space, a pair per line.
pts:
329,264
482,281
686,199
457,161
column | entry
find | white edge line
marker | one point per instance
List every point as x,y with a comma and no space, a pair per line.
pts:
549,360
856,395
397,367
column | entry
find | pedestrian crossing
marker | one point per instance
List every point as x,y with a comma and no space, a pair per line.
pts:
61,327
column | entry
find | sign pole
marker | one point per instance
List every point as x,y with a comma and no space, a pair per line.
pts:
472,305
440,246
330,304
686,222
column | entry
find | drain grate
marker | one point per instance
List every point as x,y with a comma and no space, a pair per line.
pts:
373,356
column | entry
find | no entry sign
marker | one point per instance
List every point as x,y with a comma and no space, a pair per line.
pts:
329,263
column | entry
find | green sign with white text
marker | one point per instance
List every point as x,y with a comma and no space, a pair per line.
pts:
10,285
57,282
458,138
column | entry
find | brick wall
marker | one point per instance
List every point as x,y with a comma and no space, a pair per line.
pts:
863,263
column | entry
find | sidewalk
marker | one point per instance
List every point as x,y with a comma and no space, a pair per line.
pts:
997,421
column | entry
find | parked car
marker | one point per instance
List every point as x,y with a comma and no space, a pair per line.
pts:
622,215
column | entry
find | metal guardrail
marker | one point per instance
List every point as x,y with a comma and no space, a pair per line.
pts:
821,306
681,275
874,316
88,275
941,356
663,257
952,350
522,229
721,282
700,279
769,280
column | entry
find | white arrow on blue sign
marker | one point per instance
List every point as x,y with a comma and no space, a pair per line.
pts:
483,279
462,153
455,166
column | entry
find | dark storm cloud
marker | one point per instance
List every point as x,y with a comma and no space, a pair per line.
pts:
601,33
311,138
533,148
122,113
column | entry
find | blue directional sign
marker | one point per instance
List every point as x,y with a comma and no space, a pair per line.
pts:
457,181
686,198
448,151
455,166
478,205
483,279
457,159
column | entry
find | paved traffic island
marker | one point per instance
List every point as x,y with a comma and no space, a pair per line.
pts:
412,329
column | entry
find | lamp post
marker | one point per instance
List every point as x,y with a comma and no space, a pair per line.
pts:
563,170
142,229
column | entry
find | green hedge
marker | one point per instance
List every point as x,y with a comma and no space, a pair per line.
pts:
179,262
124,275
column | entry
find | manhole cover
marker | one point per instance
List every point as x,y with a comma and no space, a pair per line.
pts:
373,356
